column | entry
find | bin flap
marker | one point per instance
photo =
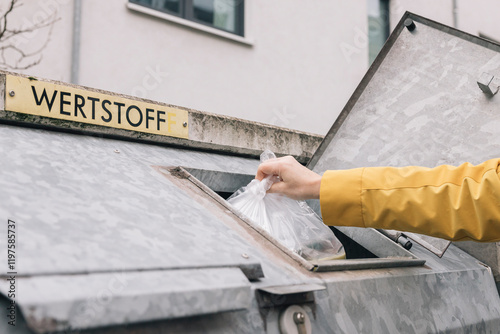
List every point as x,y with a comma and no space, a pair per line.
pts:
423,102
83,208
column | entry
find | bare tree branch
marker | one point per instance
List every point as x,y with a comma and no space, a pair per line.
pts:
12,56
4,18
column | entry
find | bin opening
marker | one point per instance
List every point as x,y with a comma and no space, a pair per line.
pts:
225,184
224,194
222,183
353,250
371,250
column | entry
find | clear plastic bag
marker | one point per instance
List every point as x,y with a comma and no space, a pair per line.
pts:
291,222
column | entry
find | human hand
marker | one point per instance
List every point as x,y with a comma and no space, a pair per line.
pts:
297,182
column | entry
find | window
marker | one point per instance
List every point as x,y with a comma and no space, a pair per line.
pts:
226,15
378,26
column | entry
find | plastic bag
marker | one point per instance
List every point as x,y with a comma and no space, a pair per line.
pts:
291,222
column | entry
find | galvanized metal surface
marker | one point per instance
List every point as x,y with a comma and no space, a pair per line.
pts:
91,206
383,306
92,209
422,106
157,295
41,176
379,301
34,175
488,253
419,104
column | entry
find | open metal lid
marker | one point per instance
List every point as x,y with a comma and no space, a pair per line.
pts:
428,99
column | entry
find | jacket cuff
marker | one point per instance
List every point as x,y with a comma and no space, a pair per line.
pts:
340,197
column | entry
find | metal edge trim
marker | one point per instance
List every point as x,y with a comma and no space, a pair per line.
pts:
487,43
360,264
292,289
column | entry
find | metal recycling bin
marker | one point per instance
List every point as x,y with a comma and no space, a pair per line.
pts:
123,228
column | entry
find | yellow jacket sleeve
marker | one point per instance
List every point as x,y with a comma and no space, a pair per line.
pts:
454,203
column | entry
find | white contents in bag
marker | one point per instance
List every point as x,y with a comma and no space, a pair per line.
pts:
291,222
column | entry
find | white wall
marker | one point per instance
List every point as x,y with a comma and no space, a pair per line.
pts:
474,17
306,60
480,16
56,57
440,11
295,75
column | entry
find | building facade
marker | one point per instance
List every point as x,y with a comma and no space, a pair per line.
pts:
288,63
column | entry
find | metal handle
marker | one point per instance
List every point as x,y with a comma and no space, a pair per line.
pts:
299,319
294,320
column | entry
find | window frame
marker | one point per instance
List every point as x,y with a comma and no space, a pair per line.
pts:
166,11
186,14
188,11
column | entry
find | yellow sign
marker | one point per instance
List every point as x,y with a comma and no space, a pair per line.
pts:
46,99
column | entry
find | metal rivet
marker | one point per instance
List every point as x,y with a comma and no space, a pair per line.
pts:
245,256
299,318
117,151
12,93
409,24
185,124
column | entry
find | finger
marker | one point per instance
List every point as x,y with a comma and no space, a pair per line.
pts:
270,167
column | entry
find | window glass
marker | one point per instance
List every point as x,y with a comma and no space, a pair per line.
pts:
222,14
169,6
378,26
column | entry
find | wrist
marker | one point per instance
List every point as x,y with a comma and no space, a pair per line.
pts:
314,187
